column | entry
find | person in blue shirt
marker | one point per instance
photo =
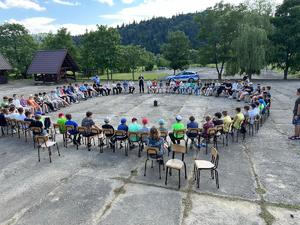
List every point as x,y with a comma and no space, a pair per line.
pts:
73,132
122,127
96,79
192,124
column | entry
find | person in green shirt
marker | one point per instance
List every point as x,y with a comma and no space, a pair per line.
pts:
4,103
62,123
176,127
239,117
134,127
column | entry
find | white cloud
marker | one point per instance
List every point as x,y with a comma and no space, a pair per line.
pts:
165,8
127,1
46,24
64,2
24,4
108,2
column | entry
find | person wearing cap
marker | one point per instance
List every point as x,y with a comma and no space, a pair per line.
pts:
192,124
296,118
73,132
162,124
61,121
107,125
178,125
145,129
122,127
134,127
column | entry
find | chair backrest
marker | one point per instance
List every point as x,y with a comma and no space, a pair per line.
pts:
144,135
151,151
164,134
26,124
13,122
120,133
41,139
134,135
193,131
177,148
36,130
215,157
211,131
220,128
179,132
69,128
82,130
108,132
95,131
56,128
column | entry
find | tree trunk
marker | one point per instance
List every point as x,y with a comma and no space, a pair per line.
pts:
133,74
285,74
111,75
174,71
107,73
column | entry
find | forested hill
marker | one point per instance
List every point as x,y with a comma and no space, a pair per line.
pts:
152,33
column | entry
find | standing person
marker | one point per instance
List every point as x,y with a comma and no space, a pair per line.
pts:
141,84
296,118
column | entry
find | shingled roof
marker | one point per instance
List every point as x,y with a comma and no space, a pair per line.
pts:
4,64
51,62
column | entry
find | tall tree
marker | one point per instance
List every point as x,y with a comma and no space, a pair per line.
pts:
101,48
17,45
286,37
61,40
133,58
218,28
176,50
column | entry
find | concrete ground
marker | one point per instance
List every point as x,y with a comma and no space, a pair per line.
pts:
259,178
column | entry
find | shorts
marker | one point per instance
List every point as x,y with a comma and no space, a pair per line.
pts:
297,121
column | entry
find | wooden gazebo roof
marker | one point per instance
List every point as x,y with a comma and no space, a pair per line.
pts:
4,64
51,62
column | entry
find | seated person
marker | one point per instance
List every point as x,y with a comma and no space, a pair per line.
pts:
154,86
238,119
217,119
253,113
119,88
61,121
3,122
156,141
160,87
34,105
192,124
38,123
21,115
107,125
178,125
125,86
107,88
161,124
73,132
226,121
4,102
145,129
246,111
248,89
89,123
12,112
131,87
134,127
122,127
208,124
149,85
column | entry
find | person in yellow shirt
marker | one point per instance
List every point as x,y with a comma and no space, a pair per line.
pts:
238,119
227,121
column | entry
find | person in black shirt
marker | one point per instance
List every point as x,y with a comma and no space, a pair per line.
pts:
141,83
108,126
296,118
217,119
38,123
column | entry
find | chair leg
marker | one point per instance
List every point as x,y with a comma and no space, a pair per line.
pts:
145,167
217,179
185,176
198,178
57,149
159,170
179,179
195,178
39,157
166,181
49,150
212,174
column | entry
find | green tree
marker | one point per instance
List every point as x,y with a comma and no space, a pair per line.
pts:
17,45
286,36
100,48
147,60
176,50
133,58
61,40
218,29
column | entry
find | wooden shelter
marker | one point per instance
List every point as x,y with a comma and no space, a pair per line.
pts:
52,66
4,68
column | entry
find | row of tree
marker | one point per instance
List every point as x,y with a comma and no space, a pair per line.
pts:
241,39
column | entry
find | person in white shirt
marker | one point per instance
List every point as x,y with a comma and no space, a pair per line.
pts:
131,87
12,113
253,113
149,85
16,101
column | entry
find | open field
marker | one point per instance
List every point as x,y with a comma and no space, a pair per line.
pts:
259,178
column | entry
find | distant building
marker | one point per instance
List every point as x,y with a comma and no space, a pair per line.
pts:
4,68
52,66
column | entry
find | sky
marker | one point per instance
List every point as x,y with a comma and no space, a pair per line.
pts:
43,16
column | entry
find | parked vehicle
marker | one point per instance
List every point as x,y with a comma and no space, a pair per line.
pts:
184,76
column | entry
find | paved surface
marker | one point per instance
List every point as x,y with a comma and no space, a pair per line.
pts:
259,178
